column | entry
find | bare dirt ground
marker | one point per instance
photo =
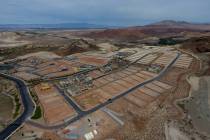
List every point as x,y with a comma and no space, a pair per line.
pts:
55,107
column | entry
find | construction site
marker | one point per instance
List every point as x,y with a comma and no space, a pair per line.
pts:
142,82
35,67
73,86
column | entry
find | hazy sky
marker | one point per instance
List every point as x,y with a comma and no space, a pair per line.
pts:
106,12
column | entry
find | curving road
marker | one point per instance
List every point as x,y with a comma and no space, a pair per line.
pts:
28,108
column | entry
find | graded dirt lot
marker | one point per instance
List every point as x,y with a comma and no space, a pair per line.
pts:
55,107
56,68
91,60
146,121
183,62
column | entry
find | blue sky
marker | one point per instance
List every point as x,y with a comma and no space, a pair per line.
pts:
105,12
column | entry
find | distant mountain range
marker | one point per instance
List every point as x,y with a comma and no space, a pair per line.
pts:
54,26
160,29
180,24
161,24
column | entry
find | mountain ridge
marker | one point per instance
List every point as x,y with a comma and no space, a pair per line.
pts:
81,25
160,29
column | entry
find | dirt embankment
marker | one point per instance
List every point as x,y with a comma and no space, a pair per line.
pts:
197,106
197,45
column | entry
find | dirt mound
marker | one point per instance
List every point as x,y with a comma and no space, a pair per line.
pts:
8,36
76,47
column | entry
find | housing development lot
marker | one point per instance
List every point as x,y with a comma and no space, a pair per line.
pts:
104,78
148,82
76,87
35,67
55,107
114,84
183,62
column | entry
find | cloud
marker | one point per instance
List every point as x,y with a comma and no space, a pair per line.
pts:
114,12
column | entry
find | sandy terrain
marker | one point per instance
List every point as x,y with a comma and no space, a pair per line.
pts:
10,39
41,54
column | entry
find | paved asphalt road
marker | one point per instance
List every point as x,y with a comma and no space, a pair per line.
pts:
85,113
28,108
71,102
